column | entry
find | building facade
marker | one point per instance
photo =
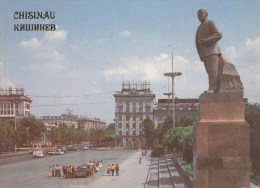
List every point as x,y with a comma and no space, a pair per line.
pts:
133,104
13,103
87,123
69,120
183,108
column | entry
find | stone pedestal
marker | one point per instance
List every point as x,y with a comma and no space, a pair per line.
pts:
221,142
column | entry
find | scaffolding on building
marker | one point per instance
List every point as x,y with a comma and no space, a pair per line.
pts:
137,86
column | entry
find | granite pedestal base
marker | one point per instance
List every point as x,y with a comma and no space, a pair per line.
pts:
221,143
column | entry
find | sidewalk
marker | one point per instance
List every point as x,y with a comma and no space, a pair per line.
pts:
131,174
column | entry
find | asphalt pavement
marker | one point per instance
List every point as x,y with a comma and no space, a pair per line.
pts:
132,174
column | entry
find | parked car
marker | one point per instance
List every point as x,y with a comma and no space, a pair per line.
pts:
86,170
84,148
71,148
38,153
101,148
63,148
81,171
56,152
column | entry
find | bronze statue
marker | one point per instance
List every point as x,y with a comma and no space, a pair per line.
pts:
207,37
222,74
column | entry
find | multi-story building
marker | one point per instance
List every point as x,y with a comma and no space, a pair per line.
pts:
54,121
87,123
183,107
13,103
133,104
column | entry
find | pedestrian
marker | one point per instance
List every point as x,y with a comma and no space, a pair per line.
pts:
117,169
108,170
56,170
112,169
72,171
59,169
69,171
140,160
52,170
49,172
64,171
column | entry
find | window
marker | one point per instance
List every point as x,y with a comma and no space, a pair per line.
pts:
133,125
127,125
134,133
120,125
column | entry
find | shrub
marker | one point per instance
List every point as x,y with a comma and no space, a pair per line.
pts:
157,150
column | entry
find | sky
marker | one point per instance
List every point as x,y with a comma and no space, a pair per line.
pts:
98,44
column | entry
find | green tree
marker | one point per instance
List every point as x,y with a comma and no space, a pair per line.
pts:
148,132
34,127
252,116
180,139
162,129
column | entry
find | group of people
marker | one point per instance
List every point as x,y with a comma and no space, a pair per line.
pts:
111,169
55,171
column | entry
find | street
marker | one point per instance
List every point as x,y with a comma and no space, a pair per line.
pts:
34,172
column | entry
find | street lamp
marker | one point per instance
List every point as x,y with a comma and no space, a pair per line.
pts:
168,94
172,75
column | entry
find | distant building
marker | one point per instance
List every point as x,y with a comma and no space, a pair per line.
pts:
13,103
87,123
54,121
183,107
133,104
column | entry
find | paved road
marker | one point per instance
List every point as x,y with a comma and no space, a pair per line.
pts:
132,174
31,173
34,173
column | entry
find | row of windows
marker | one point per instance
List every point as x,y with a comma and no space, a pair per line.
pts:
127,126
134,102
134,110
130,117
129,133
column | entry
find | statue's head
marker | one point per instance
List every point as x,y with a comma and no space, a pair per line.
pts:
202,14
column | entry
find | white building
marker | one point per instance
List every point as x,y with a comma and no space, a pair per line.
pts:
133,104
87,123
54,121
13,103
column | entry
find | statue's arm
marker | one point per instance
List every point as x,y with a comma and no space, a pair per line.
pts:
215,34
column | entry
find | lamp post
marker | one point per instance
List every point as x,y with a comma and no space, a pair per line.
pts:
172,75
168,94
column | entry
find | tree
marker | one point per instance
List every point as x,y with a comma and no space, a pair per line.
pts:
148,132
34,128
252,116
162,129
180,138
110,127
7,136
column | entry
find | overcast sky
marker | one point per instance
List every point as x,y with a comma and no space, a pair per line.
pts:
100,43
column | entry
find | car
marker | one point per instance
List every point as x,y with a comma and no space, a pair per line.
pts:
72,148
59,152
38,153
56,152
101,148
81,171
84,148
86,170
63,148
